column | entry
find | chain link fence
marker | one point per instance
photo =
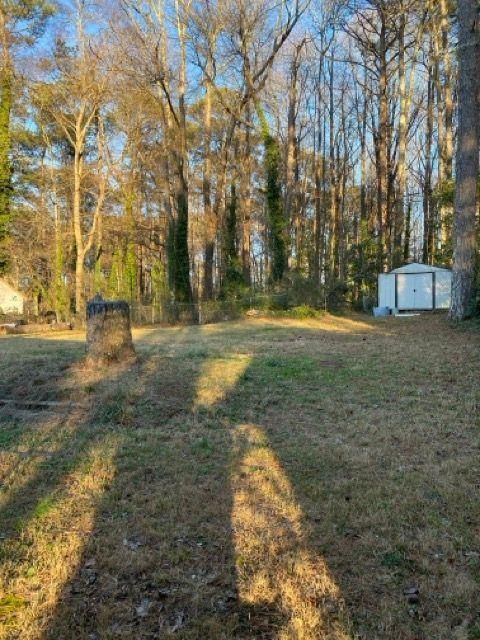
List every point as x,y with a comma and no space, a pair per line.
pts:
171,312
187,313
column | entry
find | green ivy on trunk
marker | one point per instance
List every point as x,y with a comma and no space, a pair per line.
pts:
276,214
5,164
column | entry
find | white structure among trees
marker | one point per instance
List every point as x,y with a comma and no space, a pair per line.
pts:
415,286
11,301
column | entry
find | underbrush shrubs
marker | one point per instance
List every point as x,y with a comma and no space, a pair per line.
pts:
304,311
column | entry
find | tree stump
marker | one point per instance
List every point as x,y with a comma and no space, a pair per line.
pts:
109,336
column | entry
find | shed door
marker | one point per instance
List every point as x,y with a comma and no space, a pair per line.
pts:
386,290
415,291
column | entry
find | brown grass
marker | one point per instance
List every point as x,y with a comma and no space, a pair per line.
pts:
262,479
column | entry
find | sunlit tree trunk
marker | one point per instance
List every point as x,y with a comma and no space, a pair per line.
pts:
364,226
291,183
210,224
6,99
77,220
246,205
408,230
84,241
428,210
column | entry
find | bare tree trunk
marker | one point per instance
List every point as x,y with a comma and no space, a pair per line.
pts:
467,160
428,217
291,183
447,147
382,169
342,180
399,221
363,196
446,128
77,228
333,219
79,147
318,235
317,251
210,226
6,103
83,244
319,177
408,230
246,206
58,261
183,288
325,221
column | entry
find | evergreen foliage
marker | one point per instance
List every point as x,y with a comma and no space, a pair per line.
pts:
171,255
130,273
233,283
159,283
181,261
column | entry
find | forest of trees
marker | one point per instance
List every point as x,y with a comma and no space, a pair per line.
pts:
195,150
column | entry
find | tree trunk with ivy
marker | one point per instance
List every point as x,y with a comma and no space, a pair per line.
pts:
233,282
276,217
181,266
6,81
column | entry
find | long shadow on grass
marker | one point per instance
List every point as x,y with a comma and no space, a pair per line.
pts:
198,533
159,560
30,377
37,446
160,542
335,478
47,450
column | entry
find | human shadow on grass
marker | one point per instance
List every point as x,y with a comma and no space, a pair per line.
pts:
129,566
356,506
188,539
159,559
33,411
238,511
198,531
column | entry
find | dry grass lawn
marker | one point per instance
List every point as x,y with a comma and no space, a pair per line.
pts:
260,479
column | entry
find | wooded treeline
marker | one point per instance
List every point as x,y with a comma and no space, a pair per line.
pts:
198,149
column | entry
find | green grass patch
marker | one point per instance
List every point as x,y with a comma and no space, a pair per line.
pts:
10,605
44,507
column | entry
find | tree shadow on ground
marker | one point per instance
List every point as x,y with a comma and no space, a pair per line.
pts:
366,447
155,557
219,483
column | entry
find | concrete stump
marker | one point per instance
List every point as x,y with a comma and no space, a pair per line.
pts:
109,336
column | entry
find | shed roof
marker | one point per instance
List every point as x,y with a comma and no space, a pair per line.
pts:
417,267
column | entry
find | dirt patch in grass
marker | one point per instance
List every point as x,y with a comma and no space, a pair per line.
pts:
263,479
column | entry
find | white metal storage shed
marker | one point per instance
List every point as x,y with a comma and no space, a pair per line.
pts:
415,286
